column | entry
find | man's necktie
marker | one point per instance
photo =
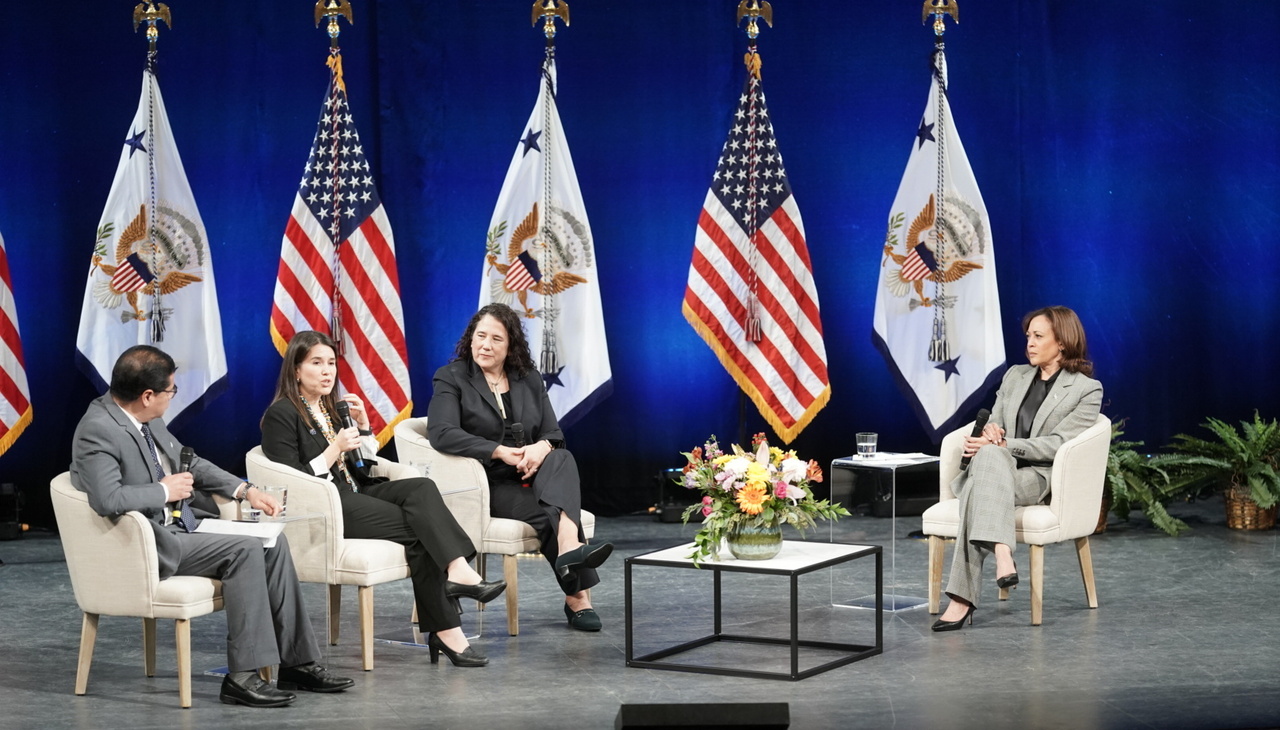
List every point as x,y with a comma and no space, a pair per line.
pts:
186,517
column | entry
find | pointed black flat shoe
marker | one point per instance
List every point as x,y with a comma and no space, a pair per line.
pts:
584,556
484,591
585,620
468,657
956,625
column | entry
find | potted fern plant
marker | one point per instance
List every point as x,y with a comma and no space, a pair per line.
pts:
1139,481
1242,463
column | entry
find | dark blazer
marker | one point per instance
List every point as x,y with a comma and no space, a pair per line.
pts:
110,462
290,439
1071,406
463,416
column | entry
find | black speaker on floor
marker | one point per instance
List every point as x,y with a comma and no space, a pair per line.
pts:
673,499
706,714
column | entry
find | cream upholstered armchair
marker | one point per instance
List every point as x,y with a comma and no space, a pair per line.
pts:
115,571
496,535
321,554
1079,470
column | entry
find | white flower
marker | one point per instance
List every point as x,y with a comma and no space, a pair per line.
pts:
737,467
794,470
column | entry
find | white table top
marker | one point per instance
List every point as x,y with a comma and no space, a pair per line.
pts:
886,460
796,555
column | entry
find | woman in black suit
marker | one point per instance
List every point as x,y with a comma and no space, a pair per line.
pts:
490,404
302,429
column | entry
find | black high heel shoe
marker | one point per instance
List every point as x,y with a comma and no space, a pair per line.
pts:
468,657
956,625
584,556
1010,580
484,591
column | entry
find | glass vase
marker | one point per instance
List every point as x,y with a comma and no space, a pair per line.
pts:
754,542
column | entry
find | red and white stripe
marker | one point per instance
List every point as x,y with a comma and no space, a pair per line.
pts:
374,361
913,267
518,277
15,395
785,373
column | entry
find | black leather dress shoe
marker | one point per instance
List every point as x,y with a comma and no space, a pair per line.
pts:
312,678
253,693
484,591
585,620
584,556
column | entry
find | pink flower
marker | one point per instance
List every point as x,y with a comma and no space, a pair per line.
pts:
780,489
706,501
706,510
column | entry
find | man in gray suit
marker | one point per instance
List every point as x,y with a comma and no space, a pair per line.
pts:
125,459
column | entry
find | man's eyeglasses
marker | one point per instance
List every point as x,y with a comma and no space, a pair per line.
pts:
171,391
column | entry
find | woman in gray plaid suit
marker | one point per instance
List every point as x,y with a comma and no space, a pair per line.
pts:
1039,407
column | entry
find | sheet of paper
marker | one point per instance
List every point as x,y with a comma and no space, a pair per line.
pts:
887,459
266,531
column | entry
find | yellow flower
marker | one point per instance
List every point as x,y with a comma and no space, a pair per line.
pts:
757,475
751,498
775,455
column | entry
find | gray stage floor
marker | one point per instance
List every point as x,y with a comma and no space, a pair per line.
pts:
1185,636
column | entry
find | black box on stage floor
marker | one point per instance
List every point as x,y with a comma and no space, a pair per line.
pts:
673,498
704,715
869,489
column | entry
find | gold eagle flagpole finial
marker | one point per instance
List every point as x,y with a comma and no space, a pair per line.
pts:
754,9
149,12
939,9
333,9
548,11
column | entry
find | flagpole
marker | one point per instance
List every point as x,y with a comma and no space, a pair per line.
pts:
151,15
752,10
939,348
548,11
334,9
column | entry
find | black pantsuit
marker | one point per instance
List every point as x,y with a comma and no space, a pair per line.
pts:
407,511
463,419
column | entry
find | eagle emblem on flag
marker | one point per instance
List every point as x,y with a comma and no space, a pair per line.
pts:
540,266
924,255
142,265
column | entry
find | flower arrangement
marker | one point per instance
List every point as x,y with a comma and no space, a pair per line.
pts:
766,487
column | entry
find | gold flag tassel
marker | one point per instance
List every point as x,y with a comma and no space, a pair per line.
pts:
753,10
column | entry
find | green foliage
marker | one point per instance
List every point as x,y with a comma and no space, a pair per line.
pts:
1244,460
1139,481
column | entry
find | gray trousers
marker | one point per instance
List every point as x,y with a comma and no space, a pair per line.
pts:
266,619
989,491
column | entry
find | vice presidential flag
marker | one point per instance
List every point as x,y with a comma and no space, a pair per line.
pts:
540,259
15,395
150,279
937,315
337,272
750,293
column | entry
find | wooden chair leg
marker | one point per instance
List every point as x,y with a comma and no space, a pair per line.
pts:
335,603
182,636
510,572
937,550
149,647
1004,594
88,636
265,673
366,627
480,569
413,616
1037,584
1086,570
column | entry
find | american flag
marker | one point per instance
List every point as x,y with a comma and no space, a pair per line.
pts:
15,396
919,263
750,293
338,268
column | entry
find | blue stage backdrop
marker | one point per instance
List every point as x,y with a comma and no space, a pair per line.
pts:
1127,154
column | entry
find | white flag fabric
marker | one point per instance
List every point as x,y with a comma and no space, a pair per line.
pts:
937,315
540,260
150,279
15,395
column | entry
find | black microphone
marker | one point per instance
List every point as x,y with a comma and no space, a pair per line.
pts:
978,425
188,456
517,432
344,413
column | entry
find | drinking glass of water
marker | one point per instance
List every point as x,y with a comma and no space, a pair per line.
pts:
867,444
